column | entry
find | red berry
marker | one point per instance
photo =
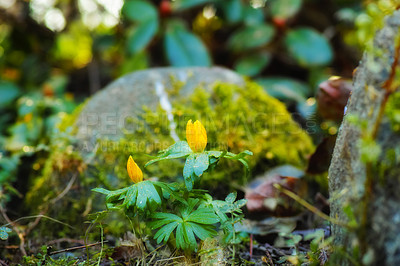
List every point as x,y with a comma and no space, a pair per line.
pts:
279,22
165,8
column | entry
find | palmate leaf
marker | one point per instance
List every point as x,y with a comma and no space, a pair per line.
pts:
147,193
201,231
164,233
164,219
114,199
190,224
171,190
143,195
180,238
178,150
186,210
203,216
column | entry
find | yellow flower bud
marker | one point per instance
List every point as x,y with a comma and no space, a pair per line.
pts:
134,171
196,136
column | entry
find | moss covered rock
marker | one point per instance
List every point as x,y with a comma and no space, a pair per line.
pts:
146,111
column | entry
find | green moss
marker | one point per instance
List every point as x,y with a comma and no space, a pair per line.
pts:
392,111
176,87
50,192
69,120
239,118
236,118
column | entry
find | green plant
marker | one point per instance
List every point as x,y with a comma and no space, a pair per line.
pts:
178,212
4,231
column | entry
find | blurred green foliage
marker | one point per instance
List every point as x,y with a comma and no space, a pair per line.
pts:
53,54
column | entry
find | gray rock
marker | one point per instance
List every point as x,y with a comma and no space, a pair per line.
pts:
379,236
105,115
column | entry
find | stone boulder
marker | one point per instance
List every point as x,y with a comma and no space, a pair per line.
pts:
364,176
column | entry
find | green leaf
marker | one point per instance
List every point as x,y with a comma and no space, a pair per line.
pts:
175,151
284,8
203,216
188,171
233,10
181,5
308,47
185,210
183,48
146,194
191,224
131,196
306,109
231,197
19,137
240,203
201,164
113,198
139,11
8,93
162,222
4,232
181,147
165,232
101,190
252,64
141,35
241,155
253,16
97,216
201,231
216,154
180,237
112,195
251,37
191,239
285,89
170,190
166,216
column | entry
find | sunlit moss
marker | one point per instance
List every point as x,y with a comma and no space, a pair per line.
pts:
246,118
393,111
75,46
236,118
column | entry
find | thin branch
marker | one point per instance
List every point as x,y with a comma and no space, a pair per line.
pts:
310,207
66,189
9,222
75,248
19,232
69,240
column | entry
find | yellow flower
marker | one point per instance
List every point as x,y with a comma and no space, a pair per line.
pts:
196,136
134,171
